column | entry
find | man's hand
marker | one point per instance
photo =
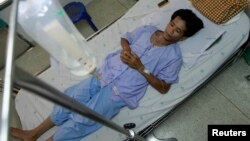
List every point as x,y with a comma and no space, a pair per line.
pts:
131,59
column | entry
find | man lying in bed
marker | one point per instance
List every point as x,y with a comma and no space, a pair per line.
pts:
148,56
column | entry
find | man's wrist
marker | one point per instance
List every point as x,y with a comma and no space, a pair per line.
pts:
144,70
141,69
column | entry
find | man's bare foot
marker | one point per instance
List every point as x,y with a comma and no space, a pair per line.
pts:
22,134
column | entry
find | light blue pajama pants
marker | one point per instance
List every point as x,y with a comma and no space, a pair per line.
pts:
73,127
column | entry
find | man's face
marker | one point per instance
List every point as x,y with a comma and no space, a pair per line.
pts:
175,30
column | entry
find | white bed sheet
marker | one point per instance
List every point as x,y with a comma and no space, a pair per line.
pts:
33,110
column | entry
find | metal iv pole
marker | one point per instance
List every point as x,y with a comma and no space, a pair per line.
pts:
8,77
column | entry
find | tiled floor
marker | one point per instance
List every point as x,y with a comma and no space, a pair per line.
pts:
225,100
102,13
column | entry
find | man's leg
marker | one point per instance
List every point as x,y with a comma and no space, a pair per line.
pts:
33,134
74,131
79,126
57,117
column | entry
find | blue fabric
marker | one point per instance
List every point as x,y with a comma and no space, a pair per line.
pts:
88,92
164,62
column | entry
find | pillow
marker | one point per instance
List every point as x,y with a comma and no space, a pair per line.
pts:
195,46
220,11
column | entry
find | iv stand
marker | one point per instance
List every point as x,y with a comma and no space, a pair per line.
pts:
8,73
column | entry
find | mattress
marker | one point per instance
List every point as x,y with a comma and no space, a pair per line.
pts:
32,109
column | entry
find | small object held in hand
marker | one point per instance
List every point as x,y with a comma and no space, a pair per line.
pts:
129,125
162,3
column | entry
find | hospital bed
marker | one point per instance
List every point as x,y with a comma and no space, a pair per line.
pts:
204,55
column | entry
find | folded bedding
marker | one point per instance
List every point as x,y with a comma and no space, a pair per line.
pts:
220,11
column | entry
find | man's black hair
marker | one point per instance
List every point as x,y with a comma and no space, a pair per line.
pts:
193,23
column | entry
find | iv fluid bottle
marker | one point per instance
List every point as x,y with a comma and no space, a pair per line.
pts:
46,22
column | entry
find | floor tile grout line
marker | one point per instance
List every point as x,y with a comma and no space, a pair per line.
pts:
127,8
229,101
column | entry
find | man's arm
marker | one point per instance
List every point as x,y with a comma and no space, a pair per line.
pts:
155,82
132,60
